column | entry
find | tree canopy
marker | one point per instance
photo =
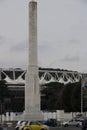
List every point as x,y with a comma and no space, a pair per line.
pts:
59,96
3,90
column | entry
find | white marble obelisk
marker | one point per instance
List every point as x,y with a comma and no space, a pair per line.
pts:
32,92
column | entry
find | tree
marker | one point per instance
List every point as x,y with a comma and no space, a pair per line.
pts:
62,97
76,97
66,97
4,93
71,97
52,92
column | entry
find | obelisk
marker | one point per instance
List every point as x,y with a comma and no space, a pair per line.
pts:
32,90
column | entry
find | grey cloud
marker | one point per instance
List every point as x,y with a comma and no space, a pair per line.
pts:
42,48
19,47
74,41
84,1
1,37
2,0
70,58
12,64
2,40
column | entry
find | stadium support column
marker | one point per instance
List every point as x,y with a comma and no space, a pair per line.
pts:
32,92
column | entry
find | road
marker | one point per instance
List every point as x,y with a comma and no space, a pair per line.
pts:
65,128
56,128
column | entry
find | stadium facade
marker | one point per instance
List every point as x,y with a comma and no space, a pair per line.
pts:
15,79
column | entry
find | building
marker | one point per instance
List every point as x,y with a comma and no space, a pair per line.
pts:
15,78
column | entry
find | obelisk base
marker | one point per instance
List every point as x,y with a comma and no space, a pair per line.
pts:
33,116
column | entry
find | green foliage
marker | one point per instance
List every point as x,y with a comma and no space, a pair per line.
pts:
4,93
60,96
3,90
76,97
52,93
84,97
66,97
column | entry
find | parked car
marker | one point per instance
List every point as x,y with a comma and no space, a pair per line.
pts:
84,124
3,128
30,125
19,125
81,119
71,122
50,122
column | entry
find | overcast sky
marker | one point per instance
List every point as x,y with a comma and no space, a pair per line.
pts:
62,34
